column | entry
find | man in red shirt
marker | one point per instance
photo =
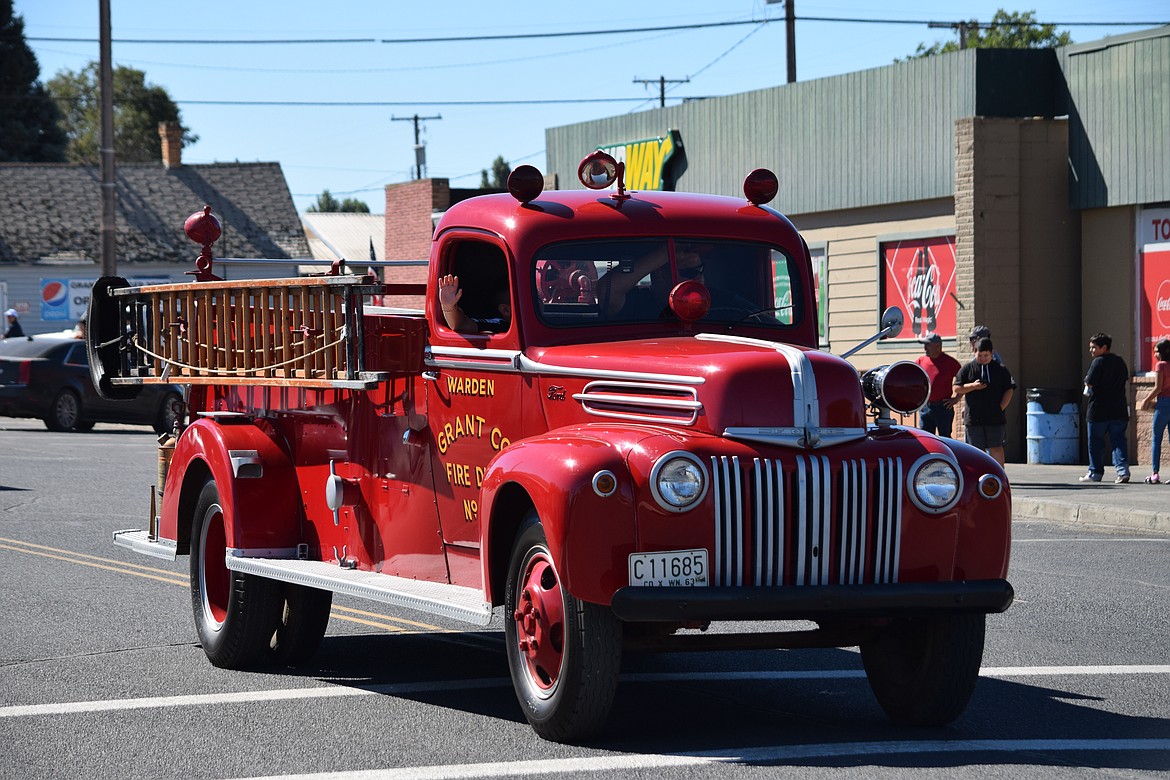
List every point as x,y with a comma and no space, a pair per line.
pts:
939,413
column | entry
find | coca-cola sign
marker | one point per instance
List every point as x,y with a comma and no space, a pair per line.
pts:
1154,267
919,278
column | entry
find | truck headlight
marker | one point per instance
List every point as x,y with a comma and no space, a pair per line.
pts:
678,481
935,484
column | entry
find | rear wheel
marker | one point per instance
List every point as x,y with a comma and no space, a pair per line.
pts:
923,671
64,412
235,614
564,654
302,624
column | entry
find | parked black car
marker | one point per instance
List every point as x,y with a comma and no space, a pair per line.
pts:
49,378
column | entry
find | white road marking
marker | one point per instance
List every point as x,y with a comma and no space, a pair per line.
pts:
336,691
778,753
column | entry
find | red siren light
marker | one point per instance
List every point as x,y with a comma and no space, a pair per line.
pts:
525,183
760,186
690,300
204,229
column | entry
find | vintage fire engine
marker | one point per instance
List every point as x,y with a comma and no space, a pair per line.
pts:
637,438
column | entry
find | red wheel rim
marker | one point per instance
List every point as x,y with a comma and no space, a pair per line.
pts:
215,579
540,622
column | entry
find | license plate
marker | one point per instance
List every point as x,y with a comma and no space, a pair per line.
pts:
685,568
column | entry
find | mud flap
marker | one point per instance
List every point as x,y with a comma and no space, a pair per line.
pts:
104,340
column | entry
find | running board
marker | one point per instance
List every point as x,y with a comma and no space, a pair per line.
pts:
140,542
437,598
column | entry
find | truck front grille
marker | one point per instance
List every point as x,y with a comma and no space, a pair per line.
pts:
809,521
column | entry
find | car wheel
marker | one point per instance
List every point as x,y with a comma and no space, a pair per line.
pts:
64,412
302,624
923,671
85,425
170,411
564,654
235,614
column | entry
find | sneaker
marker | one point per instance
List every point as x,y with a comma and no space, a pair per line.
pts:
1090,478
1121,480
1153,479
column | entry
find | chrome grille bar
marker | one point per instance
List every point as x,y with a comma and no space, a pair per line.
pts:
830,522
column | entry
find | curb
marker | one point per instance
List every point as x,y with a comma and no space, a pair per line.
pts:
1082,514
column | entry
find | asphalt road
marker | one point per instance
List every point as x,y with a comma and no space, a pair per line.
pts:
101,675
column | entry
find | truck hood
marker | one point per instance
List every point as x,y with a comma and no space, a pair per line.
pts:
742,388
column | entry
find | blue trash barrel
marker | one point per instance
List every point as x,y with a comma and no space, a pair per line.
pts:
1054,426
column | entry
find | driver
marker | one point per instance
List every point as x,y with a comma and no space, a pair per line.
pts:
622,298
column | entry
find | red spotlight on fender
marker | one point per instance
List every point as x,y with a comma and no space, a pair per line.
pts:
525,183
760,186
690,301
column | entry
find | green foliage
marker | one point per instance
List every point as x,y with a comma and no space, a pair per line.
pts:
499,175
29,119
1006,31
139,107
326,203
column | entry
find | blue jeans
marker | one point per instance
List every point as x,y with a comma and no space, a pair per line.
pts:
1115,431
1161,420
938,418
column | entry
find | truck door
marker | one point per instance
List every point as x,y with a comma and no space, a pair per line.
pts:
474,399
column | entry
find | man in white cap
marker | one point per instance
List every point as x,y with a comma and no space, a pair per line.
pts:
14,330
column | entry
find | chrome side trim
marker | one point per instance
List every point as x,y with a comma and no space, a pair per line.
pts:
798,438
528,365
261,552
472,359
593,398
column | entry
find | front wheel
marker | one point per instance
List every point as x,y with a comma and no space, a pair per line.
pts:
564,654
64,412
235,614
923,671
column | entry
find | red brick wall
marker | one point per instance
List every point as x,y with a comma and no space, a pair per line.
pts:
409,230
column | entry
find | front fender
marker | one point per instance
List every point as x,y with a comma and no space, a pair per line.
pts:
589,535
983,547
256,481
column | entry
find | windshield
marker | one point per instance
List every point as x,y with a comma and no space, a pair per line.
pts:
584,283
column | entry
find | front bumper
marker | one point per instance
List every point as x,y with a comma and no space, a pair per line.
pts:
811,603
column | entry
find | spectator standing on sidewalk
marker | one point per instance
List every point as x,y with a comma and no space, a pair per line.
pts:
987,388
1107,417
1158,399
938,416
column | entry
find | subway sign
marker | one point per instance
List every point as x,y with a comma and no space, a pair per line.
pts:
646,160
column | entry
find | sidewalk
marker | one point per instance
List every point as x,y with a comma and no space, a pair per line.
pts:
1053,493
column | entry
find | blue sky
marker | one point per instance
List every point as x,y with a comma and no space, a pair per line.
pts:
355,150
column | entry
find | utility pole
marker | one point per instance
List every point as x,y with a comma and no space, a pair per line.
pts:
420,154
962,28
790,33
662,82
106,152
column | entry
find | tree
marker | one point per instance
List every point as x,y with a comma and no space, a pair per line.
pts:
1006,31
500,172
139,107
30,129
326,203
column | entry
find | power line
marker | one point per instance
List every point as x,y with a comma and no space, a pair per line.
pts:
572,33
392,103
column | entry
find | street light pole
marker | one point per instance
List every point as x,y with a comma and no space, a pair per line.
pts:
109,187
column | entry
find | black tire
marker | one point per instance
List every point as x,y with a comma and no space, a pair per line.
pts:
564,654
235,614
64,412
170,411
85,425
304,618
923,671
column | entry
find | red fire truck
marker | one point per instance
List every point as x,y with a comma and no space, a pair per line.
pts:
629,434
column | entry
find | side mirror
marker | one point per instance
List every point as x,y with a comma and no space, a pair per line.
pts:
892,321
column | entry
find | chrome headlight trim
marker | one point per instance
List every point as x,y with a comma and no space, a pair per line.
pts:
925,494
657,478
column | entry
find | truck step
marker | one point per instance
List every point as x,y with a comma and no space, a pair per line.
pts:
437,598
140,541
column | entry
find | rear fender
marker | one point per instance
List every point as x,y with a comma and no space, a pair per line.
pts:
256,481
589,536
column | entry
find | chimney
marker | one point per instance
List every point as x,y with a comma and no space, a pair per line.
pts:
172,143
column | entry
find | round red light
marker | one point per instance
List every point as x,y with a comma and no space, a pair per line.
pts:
525,183
760,186
690,300
202,227
598,170
905,387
